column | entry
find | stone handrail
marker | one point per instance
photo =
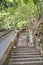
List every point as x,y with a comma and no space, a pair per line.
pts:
6,45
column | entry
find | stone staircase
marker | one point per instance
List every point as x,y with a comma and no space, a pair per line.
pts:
25,56
25,53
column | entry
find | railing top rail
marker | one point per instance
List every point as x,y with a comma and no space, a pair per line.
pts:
7,32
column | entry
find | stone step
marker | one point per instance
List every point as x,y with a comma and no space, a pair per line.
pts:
26,63
25,51
25,56
24,59
25,47
38,53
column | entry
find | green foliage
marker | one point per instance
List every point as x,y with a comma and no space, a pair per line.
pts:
26,1
39,4
13,11
21,24
35,1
